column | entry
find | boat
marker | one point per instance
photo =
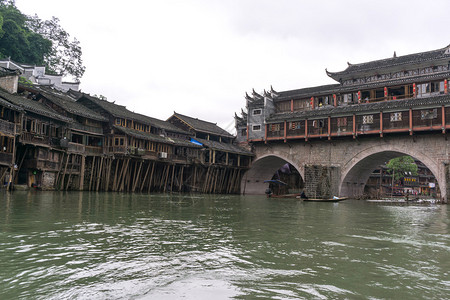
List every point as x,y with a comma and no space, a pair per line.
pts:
285,196
334,199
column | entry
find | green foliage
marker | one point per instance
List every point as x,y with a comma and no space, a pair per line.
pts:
400,166
28,39
24,81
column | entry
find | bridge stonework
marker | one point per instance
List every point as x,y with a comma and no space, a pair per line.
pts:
343,166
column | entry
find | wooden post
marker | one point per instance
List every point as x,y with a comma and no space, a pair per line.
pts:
306,130
329,128
285,131
181,179
410,122
292,105
115,175
145,178
195,177
64,173
99,174
266,128
137,176
443,118
81,183
151,178
381,124
173,175
122,176
354,126
92,172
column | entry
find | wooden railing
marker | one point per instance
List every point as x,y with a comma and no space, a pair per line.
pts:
6,158
8,127
406,121
86,128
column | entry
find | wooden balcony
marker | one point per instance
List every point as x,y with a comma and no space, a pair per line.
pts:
44,165
94,150
6,158
86,128
34,139
8,128
76,148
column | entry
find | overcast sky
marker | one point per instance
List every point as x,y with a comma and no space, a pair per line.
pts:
199,57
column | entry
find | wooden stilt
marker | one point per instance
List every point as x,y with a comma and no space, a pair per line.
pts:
173,176
64,173
99,174
150,182
121,181
92,172
137,177
145,178
114,187
181,179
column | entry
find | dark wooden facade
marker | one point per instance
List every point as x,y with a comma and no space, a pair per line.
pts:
73,141
402,95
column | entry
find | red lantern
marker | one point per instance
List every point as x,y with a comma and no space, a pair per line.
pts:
445,86
359,96
385,92
414,89
312,102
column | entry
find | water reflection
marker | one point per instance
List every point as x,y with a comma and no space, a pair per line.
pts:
114,246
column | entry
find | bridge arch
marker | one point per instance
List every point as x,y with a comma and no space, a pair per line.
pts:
356,172
263,169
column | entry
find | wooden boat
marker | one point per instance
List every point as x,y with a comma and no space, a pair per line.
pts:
337,199
285,196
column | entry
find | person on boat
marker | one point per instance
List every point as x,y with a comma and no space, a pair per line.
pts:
268,192
303,195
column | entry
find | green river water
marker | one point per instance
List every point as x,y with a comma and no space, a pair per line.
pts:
119,246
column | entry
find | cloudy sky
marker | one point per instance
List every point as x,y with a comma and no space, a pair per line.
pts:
199,57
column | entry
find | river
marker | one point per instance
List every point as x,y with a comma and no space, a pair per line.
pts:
82,245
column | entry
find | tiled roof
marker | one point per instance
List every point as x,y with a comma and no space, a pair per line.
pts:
307,92
121,111
4,72
384,106
155,138
203,126
393,62
10,105
33,106
225,147
71,105
339,89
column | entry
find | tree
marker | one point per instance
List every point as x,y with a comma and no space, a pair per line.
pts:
28,39
65,55
400,166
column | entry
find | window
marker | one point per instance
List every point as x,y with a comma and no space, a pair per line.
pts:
396,117
275,127
257,112
342,122
318,123
428,114
368,119
256,128
295,125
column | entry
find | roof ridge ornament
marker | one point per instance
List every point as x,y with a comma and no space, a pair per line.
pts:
395,54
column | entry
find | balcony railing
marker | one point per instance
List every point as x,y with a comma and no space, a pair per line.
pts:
8,127
6,158
73,147
86,128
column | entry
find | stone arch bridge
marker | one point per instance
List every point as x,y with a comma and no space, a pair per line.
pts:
343,166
